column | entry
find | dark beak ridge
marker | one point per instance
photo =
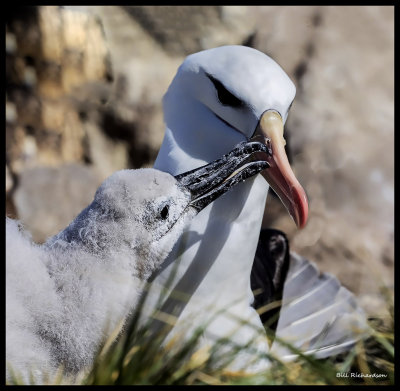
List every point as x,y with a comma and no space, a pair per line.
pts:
209,182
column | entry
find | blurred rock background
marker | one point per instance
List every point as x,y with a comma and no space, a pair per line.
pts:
84,86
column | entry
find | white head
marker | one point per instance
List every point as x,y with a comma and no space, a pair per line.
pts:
253,81
225,95
131,213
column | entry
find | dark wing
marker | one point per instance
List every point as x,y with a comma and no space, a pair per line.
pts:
268,275
300,305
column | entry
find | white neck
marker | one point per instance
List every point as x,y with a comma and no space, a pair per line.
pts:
213,258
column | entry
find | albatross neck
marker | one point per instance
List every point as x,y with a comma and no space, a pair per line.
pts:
227,230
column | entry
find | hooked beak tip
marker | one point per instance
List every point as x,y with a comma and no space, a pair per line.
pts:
280,175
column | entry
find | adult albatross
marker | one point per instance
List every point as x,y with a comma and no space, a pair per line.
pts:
218,98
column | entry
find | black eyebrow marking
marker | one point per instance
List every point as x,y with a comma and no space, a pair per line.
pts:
224,95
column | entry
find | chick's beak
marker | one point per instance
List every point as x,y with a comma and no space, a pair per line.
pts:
279,175
209,182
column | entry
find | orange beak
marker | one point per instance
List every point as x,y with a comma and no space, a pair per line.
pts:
280,175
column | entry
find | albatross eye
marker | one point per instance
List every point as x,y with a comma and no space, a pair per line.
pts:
164,212
225,96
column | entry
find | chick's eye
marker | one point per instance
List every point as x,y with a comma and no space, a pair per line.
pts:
164,212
